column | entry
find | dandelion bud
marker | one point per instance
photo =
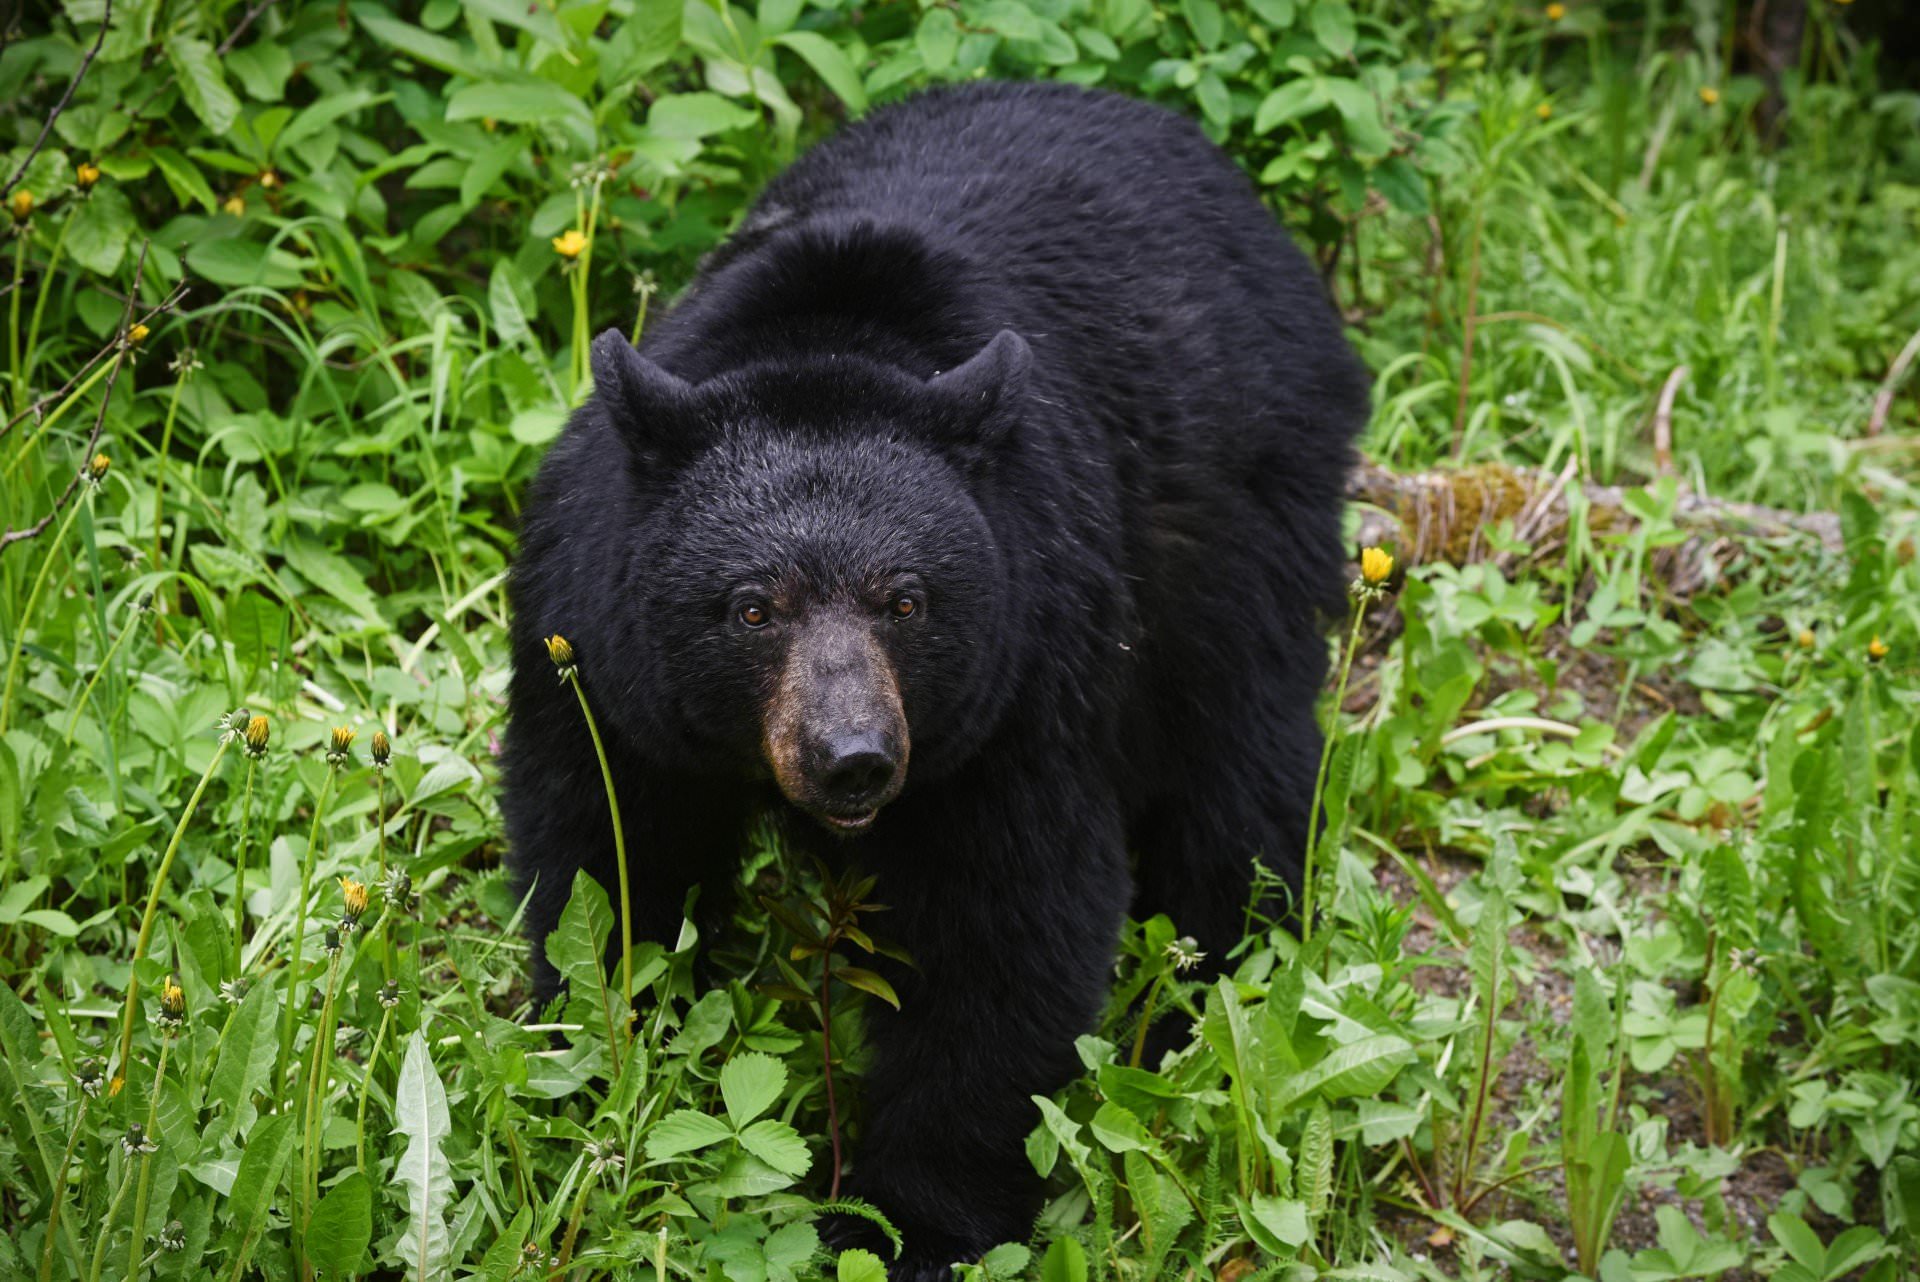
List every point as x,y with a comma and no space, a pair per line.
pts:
330,942
91,1076
234,991
236,722
560,650
21,204
397,890
137,333
1876,650
1185,953
97,467
173,1238
355,894
136,1140
338,745
389,994
382,749
1805,639
1709,95
173,1006
87,175
257,734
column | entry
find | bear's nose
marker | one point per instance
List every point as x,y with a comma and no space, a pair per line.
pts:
858,768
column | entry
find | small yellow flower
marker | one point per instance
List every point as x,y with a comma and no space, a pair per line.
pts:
269,179
382,749
86,175
355,894
235,204
137,333
21,203
1709,95
1544,110
173,1005
1806,638
257,733
1376,565
1876,650
570,243
1555,12
560,650
97,467
337,745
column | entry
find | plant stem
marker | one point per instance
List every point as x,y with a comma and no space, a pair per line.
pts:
146,1167
317,1096
60,1191
40,303
153,905
366,1088
826,1063
619,856
86,691
1312,870
26,613
13,326
240,876
54,416
106,1225
300,918
160,458
1146,1018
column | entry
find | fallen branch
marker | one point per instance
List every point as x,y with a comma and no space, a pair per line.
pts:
1443,515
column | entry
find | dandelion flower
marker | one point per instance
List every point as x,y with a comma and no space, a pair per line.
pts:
570,243
338,744
86,175
1544,111
257,734
1376,565
235,204
173,1005
1555,12
269,178
1709,95
1805,638
355,895
21,203
382,748
137,333
136,1140
1876,649
97,468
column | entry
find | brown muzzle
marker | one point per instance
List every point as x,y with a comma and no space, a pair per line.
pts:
836,734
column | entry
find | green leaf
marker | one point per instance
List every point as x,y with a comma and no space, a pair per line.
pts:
749,1084
268,1149
420,1114
1384,1121
937,38
1360,112
1284,1219
341,1227
1402,185
1065,1261
576,949
778,1145
868,982
418,44
245,1062
202,82
685,1131
336,576
1313,1175
238,263
859,1266
183,176
101,229
646,39
1291,100
1332,25
1800,1241
830,63
1118,1130
696,115
522,102
1359,1068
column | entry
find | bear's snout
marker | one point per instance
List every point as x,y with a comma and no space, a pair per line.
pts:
836,731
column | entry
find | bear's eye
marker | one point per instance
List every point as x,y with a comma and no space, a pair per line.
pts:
904,606
755,615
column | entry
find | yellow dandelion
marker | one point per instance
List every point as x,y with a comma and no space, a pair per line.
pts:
1876,649
137,333
269,178
570,243
1376,565
1555,12
560,650
235,204
86,175
355,895
257,733
382,748
1709,95
21,203
97,467
1806,638
1544,110
337,745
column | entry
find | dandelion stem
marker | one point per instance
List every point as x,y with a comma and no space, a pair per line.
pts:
240,876
1312,861
366,1088
300,917
25,618
40,303
153,905
160,459
146,1168
106,1225
619,856
60,1193
317,1095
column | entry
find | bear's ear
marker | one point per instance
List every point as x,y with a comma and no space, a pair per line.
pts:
982,398
652,408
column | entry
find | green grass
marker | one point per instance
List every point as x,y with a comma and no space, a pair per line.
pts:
1615,974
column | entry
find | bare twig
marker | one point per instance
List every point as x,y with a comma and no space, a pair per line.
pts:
35,409
121,348
1883,403
1663,421
86,60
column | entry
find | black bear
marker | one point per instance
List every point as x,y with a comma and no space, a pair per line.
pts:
979,502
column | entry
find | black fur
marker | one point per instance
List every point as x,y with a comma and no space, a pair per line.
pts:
1126,540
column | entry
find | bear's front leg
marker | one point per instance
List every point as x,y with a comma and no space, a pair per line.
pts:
1010,893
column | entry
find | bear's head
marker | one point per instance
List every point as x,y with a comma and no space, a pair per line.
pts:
824,595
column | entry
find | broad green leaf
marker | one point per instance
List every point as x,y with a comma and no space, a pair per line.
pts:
261,1164
937,38
749,1084
341,1227
418,44
203,84
336,576
1402,185
859,1266
245,1062
577,949
1359,1068
685,1131
830,64
695,115
1313,1173
184,177
1118,1130
1291,100
420,1114
239,263
101,230
1283,1219
778,1145
1065,1261
522,102
1332,24
868,982
1384,1121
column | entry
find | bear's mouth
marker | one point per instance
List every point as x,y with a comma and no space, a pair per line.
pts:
848,824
